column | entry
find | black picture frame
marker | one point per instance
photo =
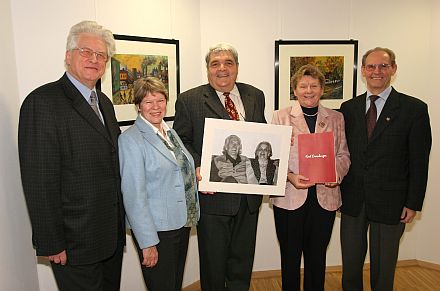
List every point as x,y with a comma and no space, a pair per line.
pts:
342,54
147,56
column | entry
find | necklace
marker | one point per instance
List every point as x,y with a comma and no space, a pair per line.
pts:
310,115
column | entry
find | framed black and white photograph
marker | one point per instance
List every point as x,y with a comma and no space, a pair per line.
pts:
137,57
337,60
244,157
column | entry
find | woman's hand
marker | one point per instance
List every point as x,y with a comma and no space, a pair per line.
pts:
151,256
331,185
299,181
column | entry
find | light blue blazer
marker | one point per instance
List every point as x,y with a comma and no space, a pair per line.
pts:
152,184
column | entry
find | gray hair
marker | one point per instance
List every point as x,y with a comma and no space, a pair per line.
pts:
221,47
389,52
228,141
93,28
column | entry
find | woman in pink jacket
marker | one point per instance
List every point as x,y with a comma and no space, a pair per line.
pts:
304,217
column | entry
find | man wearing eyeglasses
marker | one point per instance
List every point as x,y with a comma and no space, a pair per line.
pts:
70,170
389,138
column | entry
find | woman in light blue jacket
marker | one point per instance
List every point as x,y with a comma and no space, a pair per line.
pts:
159,189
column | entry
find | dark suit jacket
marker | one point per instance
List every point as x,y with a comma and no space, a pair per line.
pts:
70,173
192,107
390,171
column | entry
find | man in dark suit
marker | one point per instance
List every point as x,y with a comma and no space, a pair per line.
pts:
70,168
228,222
389,138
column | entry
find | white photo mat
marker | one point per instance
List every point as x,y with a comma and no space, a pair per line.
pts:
145,46
251,134
288,49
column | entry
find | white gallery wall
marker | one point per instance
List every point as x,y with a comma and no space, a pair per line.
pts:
33,35
428,236
17,258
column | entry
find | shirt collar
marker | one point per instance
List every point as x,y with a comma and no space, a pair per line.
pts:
382,95
84,90
155,129
233,92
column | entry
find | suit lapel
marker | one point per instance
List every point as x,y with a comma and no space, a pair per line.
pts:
297,119
321,120
214,103
108,114
152,138
389,113
84,109
359,115
248,102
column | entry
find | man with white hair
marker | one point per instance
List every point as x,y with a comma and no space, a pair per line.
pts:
70,169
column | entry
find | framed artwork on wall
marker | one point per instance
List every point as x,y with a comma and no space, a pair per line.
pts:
234,153
337,60
138,57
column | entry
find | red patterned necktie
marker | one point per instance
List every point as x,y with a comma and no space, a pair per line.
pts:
230,107
371,115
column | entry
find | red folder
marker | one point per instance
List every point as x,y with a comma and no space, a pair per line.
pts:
316,155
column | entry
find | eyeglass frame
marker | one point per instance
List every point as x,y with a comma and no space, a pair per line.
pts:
372,67
88,53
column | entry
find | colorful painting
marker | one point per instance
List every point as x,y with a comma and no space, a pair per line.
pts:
128,68
331,66
137,57
337,59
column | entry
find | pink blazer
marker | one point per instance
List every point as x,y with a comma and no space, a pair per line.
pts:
327,120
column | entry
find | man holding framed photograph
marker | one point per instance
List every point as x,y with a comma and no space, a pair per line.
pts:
228,222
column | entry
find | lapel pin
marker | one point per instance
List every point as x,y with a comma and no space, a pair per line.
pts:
388,118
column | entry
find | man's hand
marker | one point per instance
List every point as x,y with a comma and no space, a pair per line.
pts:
199,178
407,215
60,258
225,170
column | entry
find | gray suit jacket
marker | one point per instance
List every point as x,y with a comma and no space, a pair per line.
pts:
390,170
70,173
192,107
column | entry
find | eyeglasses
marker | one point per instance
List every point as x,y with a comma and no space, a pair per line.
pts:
88,53
372,67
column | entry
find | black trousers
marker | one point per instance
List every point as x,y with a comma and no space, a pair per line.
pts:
101,276
168,272
226,249
384,242
304,231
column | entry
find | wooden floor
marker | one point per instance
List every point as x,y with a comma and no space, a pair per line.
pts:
410,276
